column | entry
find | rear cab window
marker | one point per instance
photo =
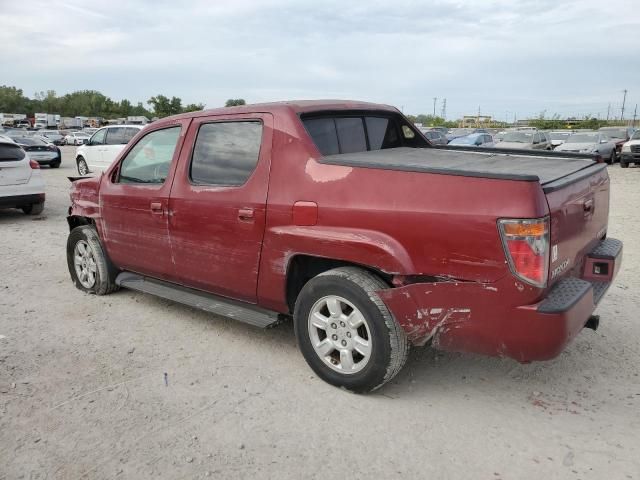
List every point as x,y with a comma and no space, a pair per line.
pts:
352,132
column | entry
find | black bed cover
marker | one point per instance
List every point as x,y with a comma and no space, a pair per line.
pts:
543,167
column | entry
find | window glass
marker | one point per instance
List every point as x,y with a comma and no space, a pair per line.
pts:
382,133
226,153
407,132
98,137
149,160
351,135
115,136
324,135
129,134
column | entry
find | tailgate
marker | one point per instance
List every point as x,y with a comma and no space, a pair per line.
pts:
579,207
14,165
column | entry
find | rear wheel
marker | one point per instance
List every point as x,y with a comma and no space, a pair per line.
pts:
90,269
612,159
83,169
33,209
346,333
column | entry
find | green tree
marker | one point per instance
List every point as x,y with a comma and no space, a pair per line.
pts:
193,107
165,106
12,100
234,102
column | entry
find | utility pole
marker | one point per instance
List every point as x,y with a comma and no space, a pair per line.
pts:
635,111
444,109
608,111
624,99
435,99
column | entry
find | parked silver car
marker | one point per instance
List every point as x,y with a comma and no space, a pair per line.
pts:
590,142
525,139
473,140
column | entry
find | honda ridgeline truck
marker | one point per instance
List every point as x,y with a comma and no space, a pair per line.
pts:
342,216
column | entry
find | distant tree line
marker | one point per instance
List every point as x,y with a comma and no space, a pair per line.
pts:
89,103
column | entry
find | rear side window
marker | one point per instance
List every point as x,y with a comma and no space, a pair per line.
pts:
324,135
10,153
351,135
115,136
149,160
226,153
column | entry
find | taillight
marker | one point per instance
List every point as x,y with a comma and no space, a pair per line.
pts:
34,165
526,245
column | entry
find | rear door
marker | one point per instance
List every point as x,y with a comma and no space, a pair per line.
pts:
218,204
134,203
14,165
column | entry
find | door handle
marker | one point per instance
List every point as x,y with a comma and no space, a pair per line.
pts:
245,214
156,208
588,205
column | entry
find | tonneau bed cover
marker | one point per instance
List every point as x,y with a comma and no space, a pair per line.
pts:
533,167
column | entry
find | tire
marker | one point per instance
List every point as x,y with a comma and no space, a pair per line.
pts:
83,169
33,209
95,273
55,164
612,158
624,164
354,291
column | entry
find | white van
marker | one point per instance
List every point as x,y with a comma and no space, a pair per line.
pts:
103,147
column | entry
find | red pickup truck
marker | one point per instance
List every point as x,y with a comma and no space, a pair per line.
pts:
342,216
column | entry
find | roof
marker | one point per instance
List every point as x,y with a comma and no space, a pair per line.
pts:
297,106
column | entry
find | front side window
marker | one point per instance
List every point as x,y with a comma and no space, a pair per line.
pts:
226,153
149,160
98,137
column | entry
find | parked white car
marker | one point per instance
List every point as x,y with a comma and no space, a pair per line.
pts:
103,147
76,138
631,151
21,185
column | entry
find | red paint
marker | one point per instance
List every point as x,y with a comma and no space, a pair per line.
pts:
239,241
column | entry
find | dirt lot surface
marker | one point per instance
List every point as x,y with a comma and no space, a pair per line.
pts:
83,392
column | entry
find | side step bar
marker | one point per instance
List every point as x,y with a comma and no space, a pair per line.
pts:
225,307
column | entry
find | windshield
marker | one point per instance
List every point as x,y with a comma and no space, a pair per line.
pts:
583,138
518,137
559,135
615,132
468,140
636,136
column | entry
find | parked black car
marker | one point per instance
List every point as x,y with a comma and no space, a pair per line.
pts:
42,152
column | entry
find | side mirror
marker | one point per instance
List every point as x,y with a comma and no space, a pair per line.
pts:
603,140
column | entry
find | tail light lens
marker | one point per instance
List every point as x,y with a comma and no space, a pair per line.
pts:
526,245
34,165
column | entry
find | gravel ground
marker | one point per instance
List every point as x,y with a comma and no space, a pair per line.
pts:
83,392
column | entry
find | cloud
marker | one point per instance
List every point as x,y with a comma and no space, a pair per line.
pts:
504,56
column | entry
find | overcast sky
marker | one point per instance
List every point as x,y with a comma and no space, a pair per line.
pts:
505,56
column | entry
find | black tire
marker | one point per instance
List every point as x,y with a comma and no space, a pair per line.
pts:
612,159
33,209
55,164
106,272
623,163
389,345
83,169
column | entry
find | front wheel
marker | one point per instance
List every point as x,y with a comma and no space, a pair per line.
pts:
33,209
346,333
624,163
90,269
83,169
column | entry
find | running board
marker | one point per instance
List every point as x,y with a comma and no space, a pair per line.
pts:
225,307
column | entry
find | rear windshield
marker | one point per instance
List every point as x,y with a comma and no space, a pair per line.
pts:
352,133
10,153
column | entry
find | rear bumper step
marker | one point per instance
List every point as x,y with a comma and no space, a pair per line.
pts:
225,307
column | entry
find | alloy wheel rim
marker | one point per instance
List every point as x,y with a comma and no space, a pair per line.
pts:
82,167
84,264
340,334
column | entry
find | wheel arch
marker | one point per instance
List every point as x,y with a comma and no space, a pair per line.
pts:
302,268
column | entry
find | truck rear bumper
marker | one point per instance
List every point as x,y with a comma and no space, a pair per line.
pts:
478,318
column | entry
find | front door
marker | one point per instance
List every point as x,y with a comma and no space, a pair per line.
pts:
218,204
134,203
